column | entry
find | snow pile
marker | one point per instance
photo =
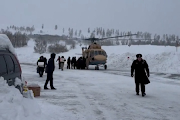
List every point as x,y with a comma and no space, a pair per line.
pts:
5,43
14,106
159,58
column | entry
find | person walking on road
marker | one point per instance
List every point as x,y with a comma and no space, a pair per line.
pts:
49,70
141,69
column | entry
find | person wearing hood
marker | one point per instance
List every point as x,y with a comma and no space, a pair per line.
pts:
141,69
49,70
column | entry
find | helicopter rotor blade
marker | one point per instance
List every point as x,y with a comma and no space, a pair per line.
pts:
117,36
97,39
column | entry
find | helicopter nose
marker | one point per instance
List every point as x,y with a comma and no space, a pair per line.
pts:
100,57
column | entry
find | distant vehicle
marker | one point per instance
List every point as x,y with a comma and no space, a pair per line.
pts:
10,68
94,54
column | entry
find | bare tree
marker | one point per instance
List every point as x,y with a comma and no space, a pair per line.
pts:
57,48
73,45
42,26
41,46
56,27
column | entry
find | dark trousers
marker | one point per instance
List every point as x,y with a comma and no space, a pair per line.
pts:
73,65
59,65
68,66
142,87
49,78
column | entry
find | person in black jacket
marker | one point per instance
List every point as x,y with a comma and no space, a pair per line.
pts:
41,67
68,62
141,73
73,62
59,62
45,60
50,69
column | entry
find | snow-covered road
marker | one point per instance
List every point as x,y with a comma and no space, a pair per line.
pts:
103,95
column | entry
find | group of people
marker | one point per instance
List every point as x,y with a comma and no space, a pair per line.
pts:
49,67
140,66
71,63
61,61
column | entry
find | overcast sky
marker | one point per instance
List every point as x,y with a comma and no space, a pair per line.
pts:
155,16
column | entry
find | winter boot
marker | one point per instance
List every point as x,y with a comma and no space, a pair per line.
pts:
46,88
143,94
53,88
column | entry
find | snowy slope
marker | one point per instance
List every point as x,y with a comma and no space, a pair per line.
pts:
27,55
159,58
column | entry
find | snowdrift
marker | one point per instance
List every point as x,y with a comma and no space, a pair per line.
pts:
159,58
13,106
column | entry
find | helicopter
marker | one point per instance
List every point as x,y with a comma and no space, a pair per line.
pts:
94,54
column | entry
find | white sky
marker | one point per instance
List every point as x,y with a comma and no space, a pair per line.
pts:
155,16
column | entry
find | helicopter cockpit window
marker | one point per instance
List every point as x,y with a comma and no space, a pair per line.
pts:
104,53
95,52
99,52
92,54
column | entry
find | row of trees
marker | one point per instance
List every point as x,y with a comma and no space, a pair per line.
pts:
22,28
17,39
41,45
100,32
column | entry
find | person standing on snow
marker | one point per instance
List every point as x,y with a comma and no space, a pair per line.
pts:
68,63
45,61
141,69
59,62
62,60
73,62
40,68
50,69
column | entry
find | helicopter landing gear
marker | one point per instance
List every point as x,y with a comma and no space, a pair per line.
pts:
105,67
97,67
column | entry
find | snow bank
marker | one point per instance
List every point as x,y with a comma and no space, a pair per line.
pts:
14,106
6,43
159,58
